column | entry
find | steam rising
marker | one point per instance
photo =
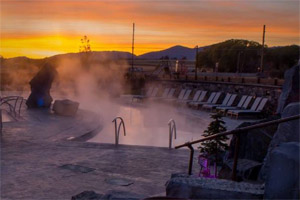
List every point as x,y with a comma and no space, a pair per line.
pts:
97,86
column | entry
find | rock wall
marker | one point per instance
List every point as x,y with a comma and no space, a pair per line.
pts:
290,89
282,181
286,132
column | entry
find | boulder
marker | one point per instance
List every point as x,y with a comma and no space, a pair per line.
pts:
110,195
246,169
254,144
282,181
65,107
252,151
286,132
87,195
190,187
40,88
290,89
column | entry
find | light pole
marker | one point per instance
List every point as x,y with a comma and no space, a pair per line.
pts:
196,73
238,62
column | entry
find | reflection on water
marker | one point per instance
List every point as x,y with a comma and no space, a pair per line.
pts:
149,126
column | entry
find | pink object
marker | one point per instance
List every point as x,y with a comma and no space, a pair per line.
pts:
204,167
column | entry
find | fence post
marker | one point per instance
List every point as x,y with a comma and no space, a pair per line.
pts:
236,156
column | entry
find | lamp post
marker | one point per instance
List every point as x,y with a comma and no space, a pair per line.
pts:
196,73
238,62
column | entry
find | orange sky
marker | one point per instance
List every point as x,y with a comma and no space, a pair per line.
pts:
39,28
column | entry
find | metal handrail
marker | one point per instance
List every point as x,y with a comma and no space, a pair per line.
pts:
1,123
172,129
118,128
13,106
237,131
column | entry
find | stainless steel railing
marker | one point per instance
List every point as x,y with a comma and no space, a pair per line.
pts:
172,129
118,128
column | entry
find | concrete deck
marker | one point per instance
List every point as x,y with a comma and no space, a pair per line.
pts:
39,161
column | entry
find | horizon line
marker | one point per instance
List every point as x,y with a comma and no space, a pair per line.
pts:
161,49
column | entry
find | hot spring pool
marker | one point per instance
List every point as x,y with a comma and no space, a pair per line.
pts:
148,126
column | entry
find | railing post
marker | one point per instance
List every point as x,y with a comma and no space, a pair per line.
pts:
191,158
238,132
172,129
116,133
117,129
236,157
1,123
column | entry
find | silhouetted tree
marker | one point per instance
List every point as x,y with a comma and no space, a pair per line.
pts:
85,49
85,45
212,147
227,54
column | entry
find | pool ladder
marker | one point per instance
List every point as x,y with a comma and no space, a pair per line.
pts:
118,128
172,129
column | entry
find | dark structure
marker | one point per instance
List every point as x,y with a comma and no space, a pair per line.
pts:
40,87
290,90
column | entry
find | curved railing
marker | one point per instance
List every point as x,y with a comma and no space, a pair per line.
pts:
14,103
118,128
172,129
237,132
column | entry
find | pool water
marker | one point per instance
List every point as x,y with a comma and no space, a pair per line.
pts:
148,126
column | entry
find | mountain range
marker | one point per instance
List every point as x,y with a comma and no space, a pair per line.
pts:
177,52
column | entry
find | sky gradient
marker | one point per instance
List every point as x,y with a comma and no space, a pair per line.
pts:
39,28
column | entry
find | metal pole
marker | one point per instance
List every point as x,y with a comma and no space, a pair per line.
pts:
262,50
170,136
1,124
116,133
196,73
236,156
238,63
132,48
191,159
172,129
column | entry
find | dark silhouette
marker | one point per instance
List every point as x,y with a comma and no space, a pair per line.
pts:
40,87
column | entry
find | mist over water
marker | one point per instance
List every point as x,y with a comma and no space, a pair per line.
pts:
98,86
149,126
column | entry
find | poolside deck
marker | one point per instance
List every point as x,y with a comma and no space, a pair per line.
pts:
39,162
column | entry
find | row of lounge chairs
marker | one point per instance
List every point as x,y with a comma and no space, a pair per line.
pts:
216,101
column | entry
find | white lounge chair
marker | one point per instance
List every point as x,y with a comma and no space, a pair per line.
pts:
185,97
252,111
199,103
253,108
212,106
224,109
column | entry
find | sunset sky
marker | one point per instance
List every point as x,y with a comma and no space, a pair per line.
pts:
39,28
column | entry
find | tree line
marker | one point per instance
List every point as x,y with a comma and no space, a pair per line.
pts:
244,56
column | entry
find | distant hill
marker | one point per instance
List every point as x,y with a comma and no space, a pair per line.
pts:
173,52
97,55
